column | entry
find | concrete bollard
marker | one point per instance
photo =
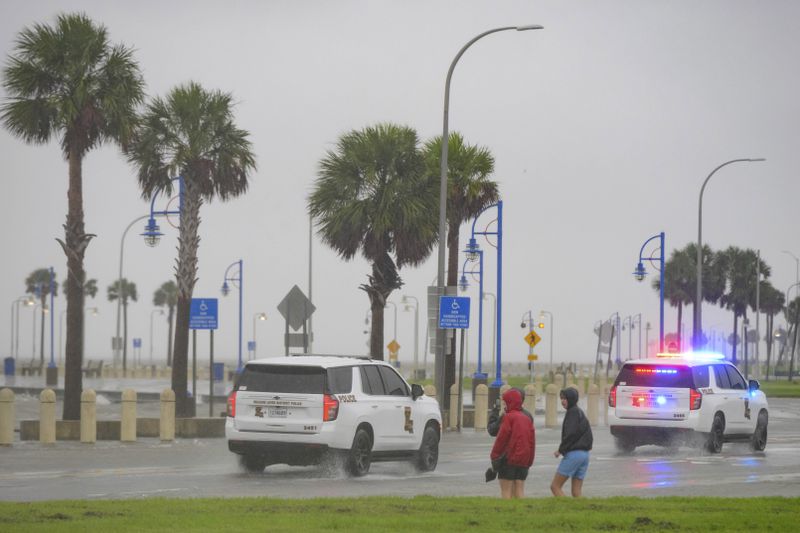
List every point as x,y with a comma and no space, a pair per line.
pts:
430,391
551,406
453,422
530,399
604,403
592,404
47,416
127,432
88,416
6,417
558,381
166,426
481,406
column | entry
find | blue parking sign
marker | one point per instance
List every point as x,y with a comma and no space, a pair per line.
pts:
453,312
203,313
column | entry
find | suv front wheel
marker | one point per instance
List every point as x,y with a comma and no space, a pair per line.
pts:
360,454
759,439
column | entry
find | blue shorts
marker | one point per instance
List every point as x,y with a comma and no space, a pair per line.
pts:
574,464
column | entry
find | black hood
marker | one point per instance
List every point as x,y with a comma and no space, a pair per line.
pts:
571,395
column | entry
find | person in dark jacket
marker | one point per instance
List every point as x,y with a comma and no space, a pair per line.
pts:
514,449
495,418
576,441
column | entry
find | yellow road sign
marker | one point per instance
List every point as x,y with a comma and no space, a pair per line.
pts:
532,338
533,357
393,346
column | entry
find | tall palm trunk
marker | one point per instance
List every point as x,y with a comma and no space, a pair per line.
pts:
735,336
376,329
770,321
680,323
185,276
74,247
171,320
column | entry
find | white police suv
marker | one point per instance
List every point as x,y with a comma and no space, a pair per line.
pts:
692,398
310,409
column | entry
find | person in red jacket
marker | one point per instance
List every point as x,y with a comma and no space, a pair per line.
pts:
514,448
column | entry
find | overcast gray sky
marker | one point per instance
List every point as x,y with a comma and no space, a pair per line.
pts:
604,126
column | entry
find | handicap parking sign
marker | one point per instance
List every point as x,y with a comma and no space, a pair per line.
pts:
453,312
203,313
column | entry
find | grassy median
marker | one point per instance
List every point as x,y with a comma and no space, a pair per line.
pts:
421,513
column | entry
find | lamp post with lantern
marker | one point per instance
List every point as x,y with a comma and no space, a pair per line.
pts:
640,273
237,279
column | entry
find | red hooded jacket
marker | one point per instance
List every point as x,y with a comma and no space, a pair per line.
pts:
517,436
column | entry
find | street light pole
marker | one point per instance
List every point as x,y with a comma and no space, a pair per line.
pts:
440,334
472,254
698,303
154,311
262,317
491,295
640,274
405,300
552,334
237,282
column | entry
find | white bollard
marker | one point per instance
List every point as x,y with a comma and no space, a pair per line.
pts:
551,406
481,406
430,391
47,416
6,417
88,416
453,405
127,432
530,399
592,404
166,426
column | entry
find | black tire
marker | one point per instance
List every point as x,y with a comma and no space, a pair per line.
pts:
759,439
624,444
714,440
360,456
253,464
428,454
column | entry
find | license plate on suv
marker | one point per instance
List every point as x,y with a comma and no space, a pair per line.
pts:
277,412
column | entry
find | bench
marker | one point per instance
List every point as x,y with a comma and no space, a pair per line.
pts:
93,369
34,366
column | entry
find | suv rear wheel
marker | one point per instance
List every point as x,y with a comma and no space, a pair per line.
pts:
714,441
624,444
253,463
759,440
360,454
428,454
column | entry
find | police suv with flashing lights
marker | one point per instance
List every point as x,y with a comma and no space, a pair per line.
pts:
693,398
308,409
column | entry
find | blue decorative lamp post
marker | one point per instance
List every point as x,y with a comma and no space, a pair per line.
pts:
237,279
640,273
463,284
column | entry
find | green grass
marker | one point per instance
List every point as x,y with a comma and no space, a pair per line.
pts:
421,513
781,389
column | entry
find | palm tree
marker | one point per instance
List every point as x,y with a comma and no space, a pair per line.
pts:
126,290
679,275
90,288
167,295
190,133
372,196
469,192
68,81
740,273
38,284
771,302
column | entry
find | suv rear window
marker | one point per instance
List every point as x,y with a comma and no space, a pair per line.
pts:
282,378
657,376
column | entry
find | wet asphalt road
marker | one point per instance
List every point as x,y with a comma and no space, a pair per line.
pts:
204,467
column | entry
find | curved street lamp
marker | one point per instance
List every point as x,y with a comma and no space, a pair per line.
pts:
475,254
237,279
698,303
640,273
439,362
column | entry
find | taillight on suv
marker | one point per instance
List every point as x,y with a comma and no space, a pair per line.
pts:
695,399
232,405
612,397
330,408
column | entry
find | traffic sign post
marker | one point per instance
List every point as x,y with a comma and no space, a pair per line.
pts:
453,312
532,338
203,313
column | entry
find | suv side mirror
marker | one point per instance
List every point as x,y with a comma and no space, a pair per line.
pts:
753,385
416,391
